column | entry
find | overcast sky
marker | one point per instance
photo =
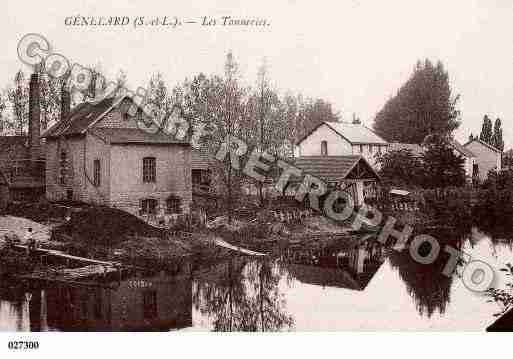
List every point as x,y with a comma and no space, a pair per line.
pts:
355,54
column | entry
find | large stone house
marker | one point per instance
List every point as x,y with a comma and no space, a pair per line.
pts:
99,154
341,139
487,157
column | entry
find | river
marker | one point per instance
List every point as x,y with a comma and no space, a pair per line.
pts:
363,287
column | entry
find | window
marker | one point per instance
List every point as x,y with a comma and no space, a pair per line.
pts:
173,205
324,148
361,148
96,172
150,304
62,169
149,170
370,149
379,150
149,206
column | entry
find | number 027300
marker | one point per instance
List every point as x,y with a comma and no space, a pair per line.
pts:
23,345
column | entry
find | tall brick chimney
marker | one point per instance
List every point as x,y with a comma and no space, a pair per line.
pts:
65,100
34,131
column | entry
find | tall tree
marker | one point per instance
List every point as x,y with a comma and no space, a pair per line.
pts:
424,105
486,130
497,140
18,97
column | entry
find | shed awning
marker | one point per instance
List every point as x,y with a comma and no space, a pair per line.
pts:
337,168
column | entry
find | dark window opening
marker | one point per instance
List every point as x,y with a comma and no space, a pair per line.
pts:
324,148
62,167
150,304
96,172
149,206
173,205
149,170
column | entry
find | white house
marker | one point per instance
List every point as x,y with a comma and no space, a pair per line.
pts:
487,157
341,139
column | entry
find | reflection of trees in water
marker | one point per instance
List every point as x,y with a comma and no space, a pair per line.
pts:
425,283
243,295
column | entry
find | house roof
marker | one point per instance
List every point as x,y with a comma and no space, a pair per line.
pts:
353,133
493,148
135,136
461,149
334,168
85,115
326,277
418,150
81,118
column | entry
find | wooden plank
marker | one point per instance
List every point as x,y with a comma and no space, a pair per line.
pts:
63,255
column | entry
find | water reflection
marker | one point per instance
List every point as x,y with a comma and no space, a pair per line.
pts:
347,286
154,303
242,295
342,266
425,283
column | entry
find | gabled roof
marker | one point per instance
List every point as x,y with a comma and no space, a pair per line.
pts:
135,136
493,148
81,118
353,133
334,168
325,277
461,149
418,150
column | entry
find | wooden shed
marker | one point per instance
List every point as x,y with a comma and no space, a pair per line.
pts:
348,173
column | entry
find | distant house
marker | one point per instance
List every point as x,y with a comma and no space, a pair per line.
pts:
487,157
460,150
99,154
469,157
341,139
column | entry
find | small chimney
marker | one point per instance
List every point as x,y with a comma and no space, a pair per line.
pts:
65,100
34,116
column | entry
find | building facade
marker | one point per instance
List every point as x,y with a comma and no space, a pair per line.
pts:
341,139
100,154
487,157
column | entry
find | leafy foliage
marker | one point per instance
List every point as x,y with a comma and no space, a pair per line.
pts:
442,167
423,105
400,168
438,166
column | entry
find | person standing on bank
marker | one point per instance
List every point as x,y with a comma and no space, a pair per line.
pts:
30,240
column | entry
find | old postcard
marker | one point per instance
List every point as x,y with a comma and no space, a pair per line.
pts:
255,166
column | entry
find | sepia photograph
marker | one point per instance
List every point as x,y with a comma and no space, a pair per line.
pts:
276,166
